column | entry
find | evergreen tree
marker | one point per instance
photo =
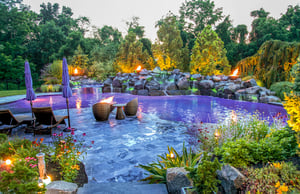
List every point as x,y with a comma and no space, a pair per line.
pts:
208,54
80,59
131,54
167,50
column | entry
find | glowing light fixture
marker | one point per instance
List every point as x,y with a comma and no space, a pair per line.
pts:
75,71
8,162
235,72
108,100
139,68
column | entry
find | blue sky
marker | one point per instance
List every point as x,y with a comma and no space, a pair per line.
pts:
116,12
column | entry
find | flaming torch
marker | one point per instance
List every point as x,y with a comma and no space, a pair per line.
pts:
234,75
138,69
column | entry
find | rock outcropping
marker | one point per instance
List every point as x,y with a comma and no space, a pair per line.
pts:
160,83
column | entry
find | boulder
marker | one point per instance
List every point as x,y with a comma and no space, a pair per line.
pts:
156,70
183,84
156,93
177,178
253,90
196,77
61,187
231,88
178,92
117,83
152,85
176,71
206,84
187,75
231,179
249,83
143,92
108,82
139,85
225,78
216,78
207,77
144,72
269,99
171,86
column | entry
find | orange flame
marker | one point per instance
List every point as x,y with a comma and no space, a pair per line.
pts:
75,71
139,68
235,72
108,100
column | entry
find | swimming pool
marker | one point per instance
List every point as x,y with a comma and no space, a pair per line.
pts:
187,109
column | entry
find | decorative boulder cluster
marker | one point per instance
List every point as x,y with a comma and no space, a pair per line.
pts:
161,83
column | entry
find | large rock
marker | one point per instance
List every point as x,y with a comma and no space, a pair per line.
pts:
177,178
171,86
176,71
196,77
156,93
206,84
139,85
216,78
183,84
144,72
231,88
143,92
268,99
152,85
231,179
253,90
157,69
178,92
61,187
108,82
117,83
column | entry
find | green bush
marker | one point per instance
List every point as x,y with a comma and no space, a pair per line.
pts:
273,178
280,88
50,88
52,73
204,176
158,170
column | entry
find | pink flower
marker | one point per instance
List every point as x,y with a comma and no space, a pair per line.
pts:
84,134
54,134
61,134
33,166
75,140
93,142
72,132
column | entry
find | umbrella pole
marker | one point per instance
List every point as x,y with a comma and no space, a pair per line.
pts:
31,108
67,100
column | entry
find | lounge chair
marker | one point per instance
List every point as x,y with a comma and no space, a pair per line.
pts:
131,107
9,121
45,116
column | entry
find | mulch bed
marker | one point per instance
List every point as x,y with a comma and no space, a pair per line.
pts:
53,170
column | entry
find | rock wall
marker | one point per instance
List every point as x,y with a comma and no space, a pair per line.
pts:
160,83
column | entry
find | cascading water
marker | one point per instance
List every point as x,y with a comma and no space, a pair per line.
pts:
111,88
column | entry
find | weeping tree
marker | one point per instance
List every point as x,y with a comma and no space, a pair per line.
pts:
272,62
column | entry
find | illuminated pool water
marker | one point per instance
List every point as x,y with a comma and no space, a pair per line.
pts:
173,108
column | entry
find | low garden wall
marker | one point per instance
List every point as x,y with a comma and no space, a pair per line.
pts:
160,83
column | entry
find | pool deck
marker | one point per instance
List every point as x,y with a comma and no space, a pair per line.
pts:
8,99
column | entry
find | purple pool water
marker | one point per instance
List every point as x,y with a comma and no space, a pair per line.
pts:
174,108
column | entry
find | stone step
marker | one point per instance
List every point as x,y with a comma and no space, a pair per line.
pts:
123,188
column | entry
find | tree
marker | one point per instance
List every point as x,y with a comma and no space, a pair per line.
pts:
297,78
134,26
199,13
80,59
291,22
208,54
168,48
131,54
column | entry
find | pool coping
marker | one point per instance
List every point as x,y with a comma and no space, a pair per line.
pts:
9,99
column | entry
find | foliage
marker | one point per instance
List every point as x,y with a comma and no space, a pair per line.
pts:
273,178
167,50
282,88
52,73
21,178
272,62
101,70
22,175
158,170
197,14
297,77
208,54
204,176
80,59
292,106
50,88
67,152
131,54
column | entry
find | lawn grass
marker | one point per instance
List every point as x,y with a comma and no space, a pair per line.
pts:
4,93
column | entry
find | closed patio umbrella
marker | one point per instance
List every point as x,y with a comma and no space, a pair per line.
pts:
66,92
30,95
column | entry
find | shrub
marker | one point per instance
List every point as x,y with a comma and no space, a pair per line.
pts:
281,88
50,88
204,176
273,178
158,170
52,73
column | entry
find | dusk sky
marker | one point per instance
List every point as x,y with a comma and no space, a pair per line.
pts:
116,12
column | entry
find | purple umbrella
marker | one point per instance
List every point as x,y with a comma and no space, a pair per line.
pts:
30,95
67,92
